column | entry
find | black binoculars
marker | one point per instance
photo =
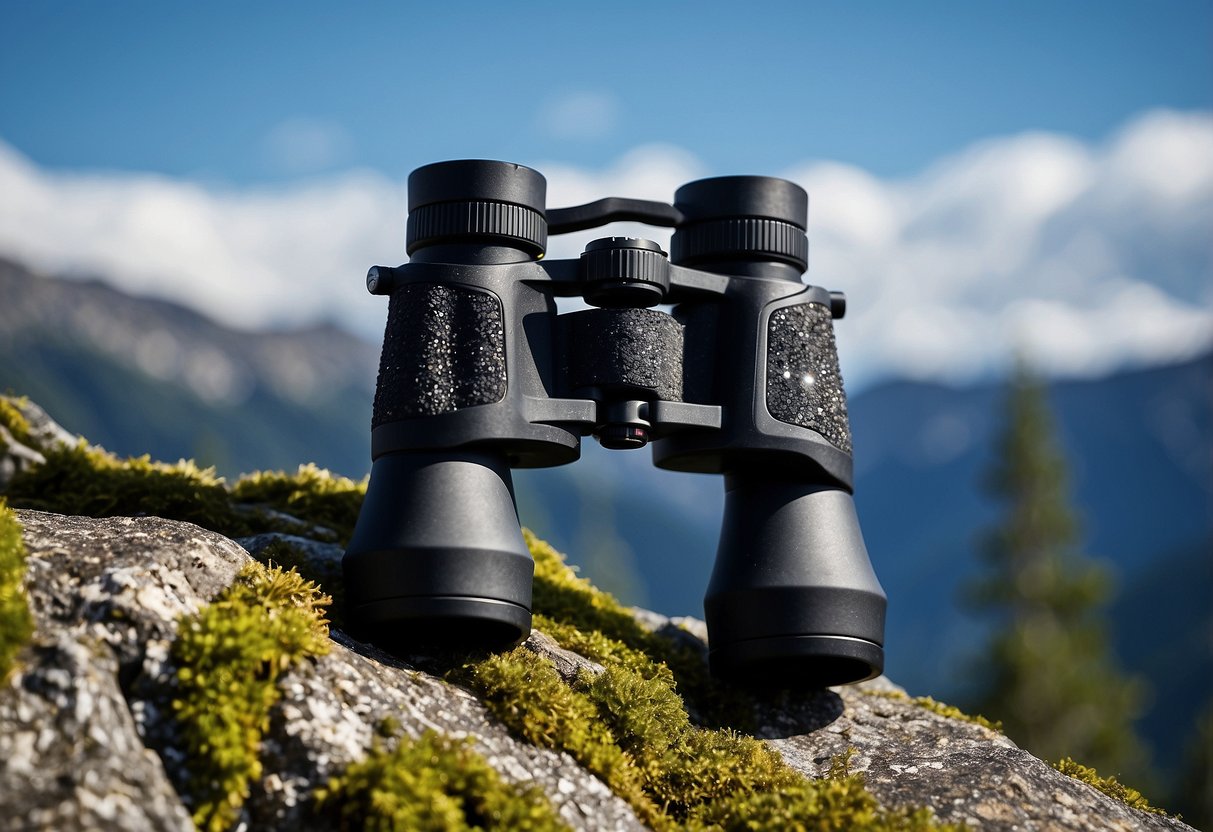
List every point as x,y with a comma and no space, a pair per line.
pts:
479,374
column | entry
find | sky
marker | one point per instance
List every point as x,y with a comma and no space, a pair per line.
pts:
984,178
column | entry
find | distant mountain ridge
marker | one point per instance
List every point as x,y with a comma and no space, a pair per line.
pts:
148,376
145,376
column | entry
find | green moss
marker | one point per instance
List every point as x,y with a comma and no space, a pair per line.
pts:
941,708
432,783
1108,785
16,623
311,493
839,801
594,621
326,574
528,695
230,656
629,726
87,481
14,420
952,712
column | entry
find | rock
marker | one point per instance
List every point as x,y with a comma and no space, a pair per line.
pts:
44,431
87,739
44,434
114,589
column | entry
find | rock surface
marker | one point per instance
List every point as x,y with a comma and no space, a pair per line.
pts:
44,432
86,742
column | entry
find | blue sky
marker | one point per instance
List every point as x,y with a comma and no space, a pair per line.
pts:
215,90
986,178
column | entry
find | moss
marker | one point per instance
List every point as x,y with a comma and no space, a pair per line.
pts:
528,695
432,783
16,623
91,482
941,708
311,493
593,621
1108,785
839,801
325,573
14,420
952,712
629,726
654,725
230,656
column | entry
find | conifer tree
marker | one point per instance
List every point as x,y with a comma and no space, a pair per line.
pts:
1046,671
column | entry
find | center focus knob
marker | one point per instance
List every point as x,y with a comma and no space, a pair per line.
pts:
624,272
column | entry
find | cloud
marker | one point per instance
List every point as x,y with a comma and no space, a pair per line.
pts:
1085,258
582,114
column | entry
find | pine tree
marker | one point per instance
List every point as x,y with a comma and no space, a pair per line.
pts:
1047,672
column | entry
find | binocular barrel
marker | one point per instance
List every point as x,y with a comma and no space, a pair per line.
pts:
479,375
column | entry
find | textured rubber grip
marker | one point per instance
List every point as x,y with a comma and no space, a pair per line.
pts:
444,350
804,384
625,348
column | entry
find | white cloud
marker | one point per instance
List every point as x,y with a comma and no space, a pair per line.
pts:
582,114
1086,258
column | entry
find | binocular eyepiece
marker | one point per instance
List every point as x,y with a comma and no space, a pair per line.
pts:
480,375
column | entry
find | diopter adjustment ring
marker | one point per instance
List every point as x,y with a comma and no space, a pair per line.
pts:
476,221
740,238
624,272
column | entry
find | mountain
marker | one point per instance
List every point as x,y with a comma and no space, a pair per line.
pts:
147,376
144,376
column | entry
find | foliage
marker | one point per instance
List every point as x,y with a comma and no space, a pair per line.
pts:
1047,673
1194,797
1108,785
432,783
16,623
230,655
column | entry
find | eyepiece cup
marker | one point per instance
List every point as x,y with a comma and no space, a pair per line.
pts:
729,197
477,201
741,218
477,180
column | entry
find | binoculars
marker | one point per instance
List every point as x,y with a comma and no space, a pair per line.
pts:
479,374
